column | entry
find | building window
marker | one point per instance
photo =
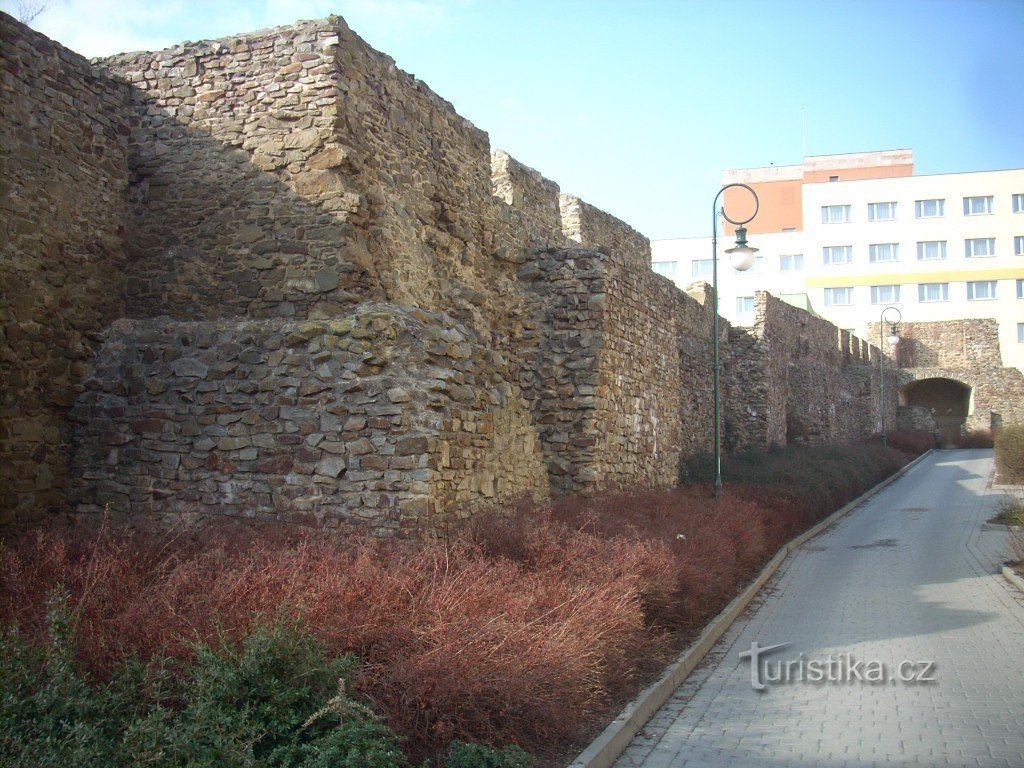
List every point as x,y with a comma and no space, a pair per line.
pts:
833,178
1020,288
758,264
928,250
881,211
883,252
744,305
885,294
981,290
837,254
838,297
933,292
977,206
1020,332
1018,203
666,268
791,262
930,209
789,229
835,214
980,247
1018,245
701,267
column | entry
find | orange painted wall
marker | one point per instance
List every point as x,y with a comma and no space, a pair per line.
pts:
781,206
782,201
853,174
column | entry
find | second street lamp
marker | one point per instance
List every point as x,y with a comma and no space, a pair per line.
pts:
894,338
741,256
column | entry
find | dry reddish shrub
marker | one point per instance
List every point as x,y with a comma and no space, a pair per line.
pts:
455,643
526,627
976,438
914,441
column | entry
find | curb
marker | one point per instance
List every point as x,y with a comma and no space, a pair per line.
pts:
1001,527
612,742
1013,578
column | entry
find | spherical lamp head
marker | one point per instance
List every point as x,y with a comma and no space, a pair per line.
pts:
741,256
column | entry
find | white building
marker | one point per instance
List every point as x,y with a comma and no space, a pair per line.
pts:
854,234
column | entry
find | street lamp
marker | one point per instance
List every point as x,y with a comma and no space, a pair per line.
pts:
893,338
742,258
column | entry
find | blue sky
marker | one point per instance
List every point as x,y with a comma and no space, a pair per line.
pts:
637,106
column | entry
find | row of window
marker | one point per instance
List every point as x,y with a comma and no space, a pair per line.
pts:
703,267
977,205
927,250
977,290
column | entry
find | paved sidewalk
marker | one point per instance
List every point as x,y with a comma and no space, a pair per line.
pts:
910,575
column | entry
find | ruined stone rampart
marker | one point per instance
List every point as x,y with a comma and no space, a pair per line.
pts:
808,381
63,174
951,353
589,226
620,371
296,172
953,344
338,305
655,376
382,416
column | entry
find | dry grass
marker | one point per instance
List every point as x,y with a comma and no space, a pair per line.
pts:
454,643
977,438
526,628
1009,453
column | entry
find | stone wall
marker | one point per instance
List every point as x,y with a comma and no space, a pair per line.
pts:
963,351
63,171
297,171
240,197
339,306
589,226
533,202
619,373
808,382
559,374
655,377
950,344
380,417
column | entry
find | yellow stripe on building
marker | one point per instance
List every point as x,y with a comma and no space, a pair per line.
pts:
900,278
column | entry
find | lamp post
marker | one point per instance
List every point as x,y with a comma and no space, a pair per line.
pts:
742,258
894,338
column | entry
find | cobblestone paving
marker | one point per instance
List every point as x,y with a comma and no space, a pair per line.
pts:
910,576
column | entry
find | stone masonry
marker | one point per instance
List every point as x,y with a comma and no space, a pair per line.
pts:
274,276
954,357
808,382
63,177
373,417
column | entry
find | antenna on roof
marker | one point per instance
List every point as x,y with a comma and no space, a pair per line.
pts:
803,128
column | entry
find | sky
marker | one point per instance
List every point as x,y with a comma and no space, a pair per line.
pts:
637,106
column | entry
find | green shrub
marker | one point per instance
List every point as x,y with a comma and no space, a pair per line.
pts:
275,701
50,715
1009,450
479,756
819,479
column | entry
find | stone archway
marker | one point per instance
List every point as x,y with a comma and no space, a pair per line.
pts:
946,402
